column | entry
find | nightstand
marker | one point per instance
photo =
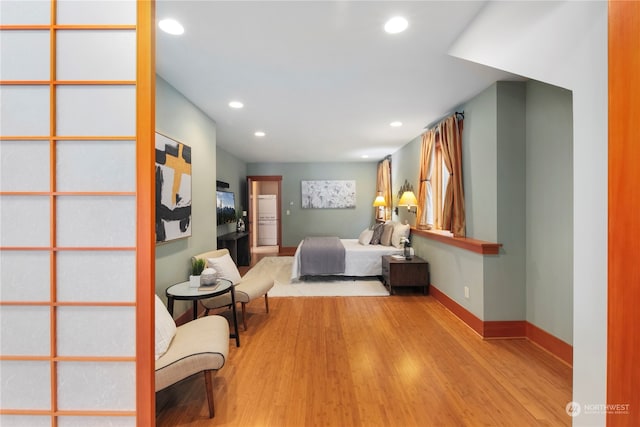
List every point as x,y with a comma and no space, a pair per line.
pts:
402,272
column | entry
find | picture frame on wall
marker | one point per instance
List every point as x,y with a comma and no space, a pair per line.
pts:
328,194
173,189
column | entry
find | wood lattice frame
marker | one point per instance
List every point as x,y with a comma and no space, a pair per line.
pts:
145,246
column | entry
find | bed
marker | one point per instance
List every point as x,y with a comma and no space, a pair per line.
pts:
360,260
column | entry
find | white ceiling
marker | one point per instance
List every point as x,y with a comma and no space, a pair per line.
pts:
322,79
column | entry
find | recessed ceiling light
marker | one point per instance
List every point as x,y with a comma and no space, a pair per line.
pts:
171,26
396,25
236,104
259,133
365,156
395,124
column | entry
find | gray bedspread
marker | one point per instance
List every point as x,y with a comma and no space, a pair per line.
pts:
321,255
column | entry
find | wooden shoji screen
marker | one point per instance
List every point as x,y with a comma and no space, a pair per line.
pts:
76,188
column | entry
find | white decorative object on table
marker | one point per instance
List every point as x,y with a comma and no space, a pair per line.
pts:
208,276
407,247
194,281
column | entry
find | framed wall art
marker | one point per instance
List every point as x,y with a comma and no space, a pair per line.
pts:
173,189
326,194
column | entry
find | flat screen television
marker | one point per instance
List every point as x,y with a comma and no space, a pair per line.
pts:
225,207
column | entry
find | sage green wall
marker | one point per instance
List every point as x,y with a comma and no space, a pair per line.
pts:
408,157
480,164
451,269
517,151
233,171
178,118
504,275
344,223
549,195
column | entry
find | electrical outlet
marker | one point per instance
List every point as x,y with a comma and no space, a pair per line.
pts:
466,292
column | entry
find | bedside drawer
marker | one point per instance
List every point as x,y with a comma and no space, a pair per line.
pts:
401,272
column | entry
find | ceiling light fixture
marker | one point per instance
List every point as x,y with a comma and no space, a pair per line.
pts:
395,124
236,104
396,25
259,133
365,156
171,26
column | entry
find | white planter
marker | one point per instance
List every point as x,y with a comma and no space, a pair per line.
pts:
194,281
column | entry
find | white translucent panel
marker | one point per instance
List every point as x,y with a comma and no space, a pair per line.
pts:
24,330
24,221
96,166
96,110
25,420
96,276
24,55
21,12
96,331
24,110
97,12
96,221
25,276
96,55
24,166
96,421
97,386
25,385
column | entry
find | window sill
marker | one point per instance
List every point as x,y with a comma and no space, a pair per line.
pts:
478,246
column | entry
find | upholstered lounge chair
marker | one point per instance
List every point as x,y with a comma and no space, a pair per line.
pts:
201,345
250,287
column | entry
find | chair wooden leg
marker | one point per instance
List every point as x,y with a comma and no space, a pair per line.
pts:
266,302
244,315
209,385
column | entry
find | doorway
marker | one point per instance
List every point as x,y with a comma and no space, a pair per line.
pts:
265,215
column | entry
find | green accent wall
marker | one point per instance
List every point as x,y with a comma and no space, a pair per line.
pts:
178,118
344,223
504,275
549,201
232,170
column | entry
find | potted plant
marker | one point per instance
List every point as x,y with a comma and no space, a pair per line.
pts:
197,266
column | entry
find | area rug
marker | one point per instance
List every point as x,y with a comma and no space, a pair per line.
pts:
280,268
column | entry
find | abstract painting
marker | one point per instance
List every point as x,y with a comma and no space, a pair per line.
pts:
328,194
173,189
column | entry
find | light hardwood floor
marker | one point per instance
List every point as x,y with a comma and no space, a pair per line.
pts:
403,361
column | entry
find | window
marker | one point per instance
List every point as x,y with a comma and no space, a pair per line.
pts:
439,180
438,210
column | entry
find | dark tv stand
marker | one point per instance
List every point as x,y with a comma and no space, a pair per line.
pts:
238,245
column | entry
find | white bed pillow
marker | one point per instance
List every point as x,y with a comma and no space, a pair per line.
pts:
226,268
385,239
365,236
165,328
399,231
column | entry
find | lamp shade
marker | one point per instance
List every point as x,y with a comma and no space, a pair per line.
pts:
408,199
379,201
